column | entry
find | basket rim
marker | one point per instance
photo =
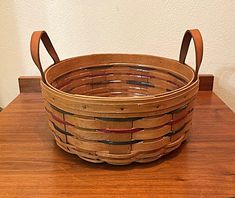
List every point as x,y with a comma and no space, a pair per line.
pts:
119,98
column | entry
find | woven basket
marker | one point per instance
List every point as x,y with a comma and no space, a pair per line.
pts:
119,108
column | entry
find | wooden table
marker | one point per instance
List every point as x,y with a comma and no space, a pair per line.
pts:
31,165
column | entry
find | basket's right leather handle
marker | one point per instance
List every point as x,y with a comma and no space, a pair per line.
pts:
34,48
198,43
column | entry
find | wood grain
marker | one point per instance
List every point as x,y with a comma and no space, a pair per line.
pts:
31,165
31,84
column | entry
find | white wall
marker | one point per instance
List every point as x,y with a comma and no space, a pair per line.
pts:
132,26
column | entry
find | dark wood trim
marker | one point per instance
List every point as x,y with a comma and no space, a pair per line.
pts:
31,84
206,82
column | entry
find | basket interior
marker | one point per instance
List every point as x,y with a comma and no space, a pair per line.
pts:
119,80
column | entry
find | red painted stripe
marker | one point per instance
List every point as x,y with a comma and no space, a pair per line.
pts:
120,130
58,119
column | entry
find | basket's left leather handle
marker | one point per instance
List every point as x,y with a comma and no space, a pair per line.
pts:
198,43
34,48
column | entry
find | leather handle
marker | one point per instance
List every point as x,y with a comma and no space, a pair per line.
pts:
34,49
198,43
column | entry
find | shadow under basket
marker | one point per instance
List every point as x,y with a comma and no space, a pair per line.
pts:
119,108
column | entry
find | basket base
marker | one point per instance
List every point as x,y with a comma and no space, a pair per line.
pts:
100,157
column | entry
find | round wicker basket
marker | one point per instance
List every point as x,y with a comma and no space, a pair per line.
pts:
119,108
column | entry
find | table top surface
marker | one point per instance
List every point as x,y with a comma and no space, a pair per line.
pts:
32,165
